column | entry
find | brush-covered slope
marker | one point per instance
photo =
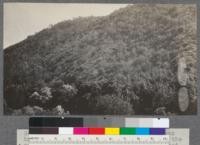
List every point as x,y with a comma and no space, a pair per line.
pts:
123,63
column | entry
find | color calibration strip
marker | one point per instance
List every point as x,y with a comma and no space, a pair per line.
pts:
177,136
98,131
98,122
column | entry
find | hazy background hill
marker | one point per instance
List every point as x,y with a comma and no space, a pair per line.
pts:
124,63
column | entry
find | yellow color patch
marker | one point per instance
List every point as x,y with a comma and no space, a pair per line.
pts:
111,131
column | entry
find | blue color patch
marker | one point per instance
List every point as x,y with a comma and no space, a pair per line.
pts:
142,131
157,131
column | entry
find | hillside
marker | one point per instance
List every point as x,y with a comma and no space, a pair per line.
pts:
124,63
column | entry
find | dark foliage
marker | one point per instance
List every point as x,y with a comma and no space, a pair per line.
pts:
124,63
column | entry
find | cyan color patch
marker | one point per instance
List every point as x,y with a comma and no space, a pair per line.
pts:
142,131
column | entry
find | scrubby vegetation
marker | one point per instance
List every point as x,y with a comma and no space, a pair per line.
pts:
124,63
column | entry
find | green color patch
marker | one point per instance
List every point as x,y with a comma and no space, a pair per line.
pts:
127,131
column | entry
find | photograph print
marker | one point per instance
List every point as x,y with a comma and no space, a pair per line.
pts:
100,59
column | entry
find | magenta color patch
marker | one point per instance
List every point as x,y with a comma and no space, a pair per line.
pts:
80,130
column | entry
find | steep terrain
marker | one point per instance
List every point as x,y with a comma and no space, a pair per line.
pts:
123,63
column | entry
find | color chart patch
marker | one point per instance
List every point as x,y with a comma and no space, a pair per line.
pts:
97,131
147,122
112,131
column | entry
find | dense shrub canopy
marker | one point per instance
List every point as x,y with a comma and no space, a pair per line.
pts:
116,64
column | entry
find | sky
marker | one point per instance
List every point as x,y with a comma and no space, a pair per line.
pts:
24,19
